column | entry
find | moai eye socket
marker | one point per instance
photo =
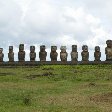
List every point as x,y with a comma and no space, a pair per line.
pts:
108,41
63,48
97,48
53,47
85,47
21,46
1,49
32,48
10,47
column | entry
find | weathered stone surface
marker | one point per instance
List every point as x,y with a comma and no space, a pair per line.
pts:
53,54
21,53
42,53
108,50
63,54
1,55
74,53
32,53
11,54
97,54
85,53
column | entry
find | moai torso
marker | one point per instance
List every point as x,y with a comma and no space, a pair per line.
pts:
11,54
42,53
32,53
21,53
63,54
85,53
97,53
74,53
1,55
53,54
108,50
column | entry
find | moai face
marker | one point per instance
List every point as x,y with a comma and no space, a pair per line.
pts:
85,53
32,48
63,53
97,53
1,55
21,53
109,43
53,54
74,48
21,47
11,54
108,50
42,53
74,53
32,53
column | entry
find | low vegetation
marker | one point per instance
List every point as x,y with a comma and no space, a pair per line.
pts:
56,88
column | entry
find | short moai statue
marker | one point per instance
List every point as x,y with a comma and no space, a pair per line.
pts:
21,53
63,54
108,50
85,53
42,53
1,55
32,53
53,54
97,54
11,54
74,54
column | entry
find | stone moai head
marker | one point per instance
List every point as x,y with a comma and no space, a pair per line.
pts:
85,48
21,47
10,49
63,49
97,49
109,43
32,48
53,48
74,48
42,48
1,50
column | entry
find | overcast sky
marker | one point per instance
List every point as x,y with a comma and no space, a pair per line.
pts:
55,22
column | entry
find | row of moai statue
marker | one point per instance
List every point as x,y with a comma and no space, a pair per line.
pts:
63,53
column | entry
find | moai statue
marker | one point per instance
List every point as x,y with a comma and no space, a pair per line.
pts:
1,55
21,53
53,54
42,53
63,54
108,50
74,53
97,53
11,54
32,53
85,53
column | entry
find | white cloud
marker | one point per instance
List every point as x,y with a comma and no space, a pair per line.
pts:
53,22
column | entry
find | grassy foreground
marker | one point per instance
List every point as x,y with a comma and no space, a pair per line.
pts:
59,88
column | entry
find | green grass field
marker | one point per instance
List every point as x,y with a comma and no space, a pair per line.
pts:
56,88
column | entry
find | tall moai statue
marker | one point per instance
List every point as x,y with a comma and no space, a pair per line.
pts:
42,53
32,53
63,54
74,54
85,53
97,54
53,54
108,50
1,55
21,53
11,54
